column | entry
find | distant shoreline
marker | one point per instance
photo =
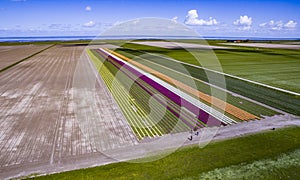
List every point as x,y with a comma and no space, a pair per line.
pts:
90,38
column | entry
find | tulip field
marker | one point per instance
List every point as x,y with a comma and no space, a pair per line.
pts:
133,92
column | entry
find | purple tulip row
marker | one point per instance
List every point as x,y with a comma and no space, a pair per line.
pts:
199,113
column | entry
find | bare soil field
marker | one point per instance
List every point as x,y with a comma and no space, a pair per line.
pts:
42,125
293,43
174,45
12,54
266,45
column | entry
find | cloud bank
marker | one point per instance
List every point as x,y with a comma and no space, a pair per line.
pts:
192,19
279,25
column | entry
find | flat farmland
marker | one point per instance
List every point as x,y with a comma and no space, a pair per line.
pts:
266,45
41,126
273,67
170,68
273,63
176,45
13,54
61,110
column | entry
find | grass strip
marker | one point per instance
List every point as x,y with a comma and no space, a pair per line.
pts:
284,166
192,161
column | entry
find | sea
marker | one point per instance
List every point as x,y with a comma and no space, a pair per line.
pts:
75,38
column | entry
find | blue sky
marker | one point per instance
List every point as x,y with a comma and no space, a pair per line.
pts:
256,18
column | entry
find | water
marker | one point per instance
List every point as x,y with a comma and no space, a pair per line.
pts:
72,38
45,38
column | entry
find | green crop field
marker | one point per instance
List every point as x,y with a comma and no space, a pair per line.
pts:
216,160
275,67
168,68
242,58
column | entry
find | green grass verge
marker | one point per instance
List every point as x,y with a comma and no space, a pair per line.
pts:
285,166
192,161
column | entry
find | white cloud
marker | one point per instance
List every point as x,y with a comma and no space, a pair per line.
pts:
89,24
244,22
279,25
192,19
291,24
88,8
174,19
263,24
273,25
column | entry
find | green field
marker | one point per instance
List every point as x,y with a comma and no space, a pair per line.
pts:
268,149
280,100
167,67
275,67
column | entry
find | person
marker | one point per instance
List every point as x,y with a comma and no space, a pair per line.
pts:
190,138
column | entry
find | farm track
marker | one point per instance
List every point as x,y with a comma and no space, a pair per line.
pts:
39,120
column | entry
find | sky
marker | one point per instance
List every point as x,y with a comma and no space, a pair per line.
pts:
229,18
